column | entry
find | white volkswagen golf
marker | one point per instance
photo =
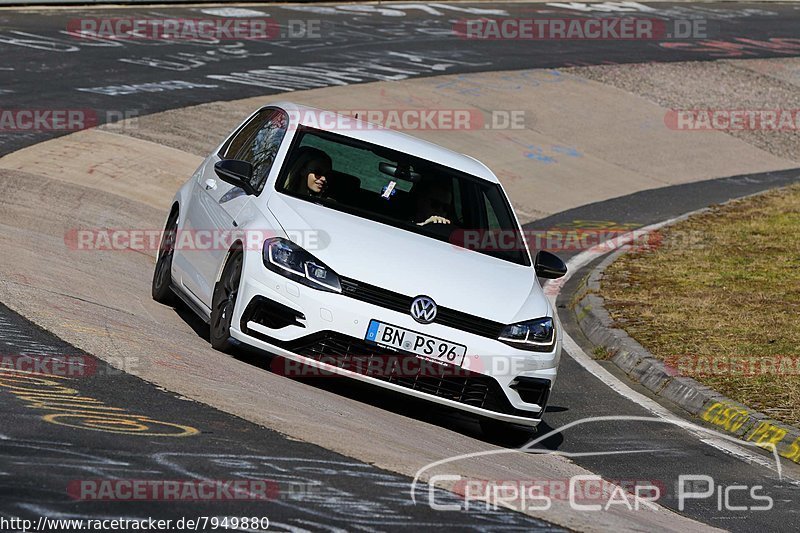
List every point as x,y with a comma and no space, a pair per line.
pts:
355,250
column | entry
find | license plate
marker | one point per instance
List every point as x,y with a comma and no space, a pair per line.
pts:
424,346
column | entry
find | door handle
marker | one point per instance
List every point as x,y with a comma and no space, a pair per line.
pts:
211,184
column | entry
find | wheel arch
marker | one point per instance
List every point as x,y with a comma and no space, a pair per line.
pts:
237,246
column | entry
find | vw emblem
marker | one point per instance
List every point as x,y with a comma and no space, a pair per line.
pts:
423,309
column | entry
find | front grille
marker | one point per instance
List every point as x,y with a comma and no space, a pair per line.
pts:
375,295
470,323
402,303
405,369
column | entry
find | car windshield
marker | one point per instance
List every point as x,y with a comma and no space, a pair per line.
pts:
407,192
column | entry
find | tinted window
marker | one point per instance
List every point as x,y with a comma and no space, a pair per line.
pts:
257,142
407,192
244,134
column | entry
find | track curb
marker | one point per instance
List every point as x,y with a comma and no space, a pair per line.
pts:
644,368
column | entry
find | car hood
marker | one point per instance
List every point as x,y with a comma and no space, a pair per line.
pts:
412,264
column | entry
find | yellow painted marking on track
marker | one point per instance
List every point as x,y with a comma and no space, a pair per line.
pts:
601,225
66,406
129,425
793,451
726,416
767,435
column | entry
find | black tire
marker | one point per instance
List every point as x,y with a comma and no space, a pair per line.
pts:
223,302
162,274
505,434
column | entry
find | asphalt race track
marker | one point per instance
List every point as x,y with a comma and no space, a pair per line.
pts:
310,487
44,63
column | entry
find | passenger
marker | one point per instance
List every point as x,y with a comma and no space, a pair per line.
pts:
434,203
311,171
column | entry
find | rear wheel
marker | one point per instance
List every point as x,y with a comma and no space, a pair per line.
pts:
223,301
162,275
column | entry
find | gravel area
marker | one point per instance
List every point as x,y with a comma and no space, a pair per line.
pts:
747,84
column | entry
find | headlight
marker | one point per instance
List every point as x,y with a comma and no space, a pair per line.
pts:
290,260
538,335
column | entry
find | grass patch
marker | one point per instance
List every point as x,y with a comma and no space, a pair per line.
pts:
721,295
602,353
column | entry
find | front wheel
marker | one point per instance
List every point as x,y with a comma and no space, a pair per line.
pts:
162,275
223,301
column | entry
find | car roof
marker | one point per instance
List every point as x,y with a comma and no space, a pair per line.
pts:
362,130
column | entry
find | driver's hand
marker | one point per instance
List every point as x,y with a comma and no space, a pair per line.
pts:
435,219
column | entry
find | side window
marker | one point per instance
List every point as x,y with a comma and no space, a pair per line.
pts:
244,134
258,143
498,215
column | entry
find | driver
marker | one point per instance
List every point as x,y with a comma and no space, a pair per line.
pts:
434,201
309,177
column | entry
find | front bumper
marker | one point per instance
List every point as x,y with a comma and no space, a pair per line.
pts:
326,331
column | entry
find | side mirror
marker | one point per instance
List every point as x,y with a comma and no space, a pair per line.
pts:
549,265
236,172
